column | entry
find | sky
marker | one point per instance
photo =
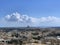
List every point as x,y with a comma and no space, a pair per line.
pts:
36,13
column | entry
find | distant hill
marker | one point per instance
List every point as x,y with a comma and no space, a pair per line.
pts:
28,28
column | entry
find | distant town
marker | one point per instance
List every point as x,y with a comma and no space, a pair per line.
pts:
30,36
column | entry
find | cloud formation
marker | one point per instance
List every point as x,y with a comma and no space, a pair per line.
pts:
17,17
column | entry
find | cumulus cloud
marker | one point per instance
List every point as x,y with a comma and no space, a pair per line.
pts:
13,17
17,17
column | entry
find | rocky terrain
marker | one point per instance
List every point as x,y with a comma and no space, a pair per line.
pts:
30,36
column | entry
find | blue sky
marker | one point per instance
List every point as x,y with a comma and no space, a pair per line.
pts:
36,9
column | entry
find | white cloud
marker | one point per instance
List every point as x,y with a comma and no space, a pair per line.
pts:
17,17
50,19
42,21
13,17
